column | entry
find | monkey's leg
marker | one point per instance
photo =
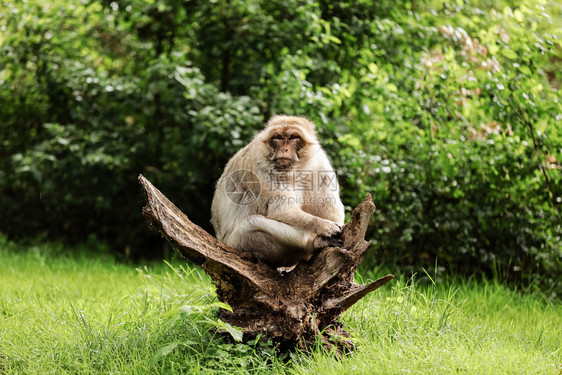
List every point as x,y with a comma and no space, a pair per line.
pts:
274,242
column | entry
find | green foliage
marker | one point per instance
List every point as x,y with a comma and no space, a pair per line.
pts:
448,113
460,142
77,130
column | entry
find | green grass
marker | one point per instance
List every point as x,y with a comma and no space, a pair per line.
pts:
82,312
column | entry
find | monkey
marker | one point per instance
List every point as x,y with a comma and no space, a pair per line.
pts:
278,197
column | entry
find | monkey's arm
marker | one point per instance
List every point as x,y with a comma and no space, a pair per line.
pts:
283,233
306,222
272,241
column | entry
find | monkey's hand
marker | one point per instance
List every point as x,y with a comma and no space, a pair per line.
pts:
321,242
328,228
328,236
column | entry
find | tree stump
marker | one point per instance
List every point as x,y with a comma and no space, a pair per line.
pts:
293,308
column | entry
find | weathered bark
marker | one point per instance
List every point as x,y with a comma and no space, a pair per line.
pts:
291,308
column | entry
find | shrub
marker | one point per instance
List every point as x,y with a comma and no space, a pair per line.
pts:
448,113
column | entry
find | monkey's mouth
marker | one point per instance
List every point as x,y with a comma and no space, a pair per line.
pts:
282,163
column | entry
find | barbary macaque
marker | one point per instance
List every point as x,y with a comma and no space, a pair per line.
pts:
278,197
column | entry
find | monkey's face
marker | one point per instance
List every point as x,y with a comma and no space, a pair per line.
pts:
286,145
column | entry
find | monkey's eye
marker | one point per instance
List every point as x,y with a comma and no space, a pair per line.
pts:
294,136
277,137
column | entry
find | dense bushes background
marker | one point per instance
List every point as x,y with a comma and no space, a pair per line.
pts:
448,112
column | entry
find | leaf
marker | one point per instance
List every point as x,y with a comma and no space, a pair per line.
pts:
334,39
169,348
235,332
519,15
163,351
222,305
391,87
351,140
509,53
525,70
187,309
